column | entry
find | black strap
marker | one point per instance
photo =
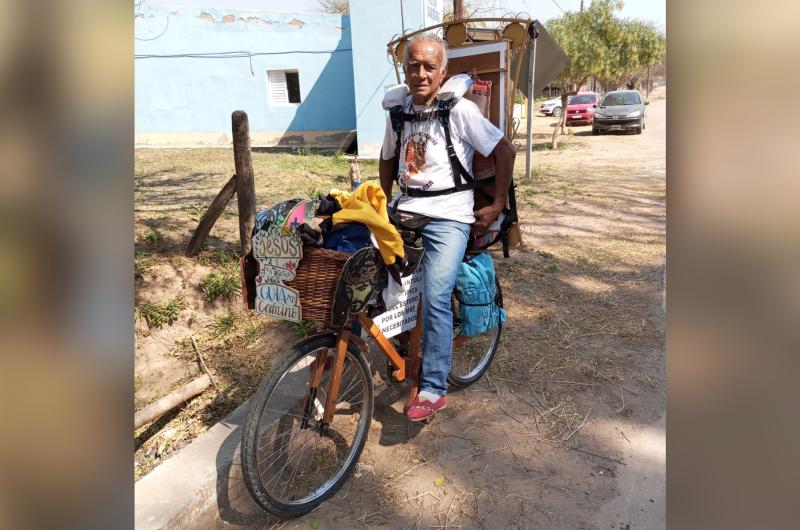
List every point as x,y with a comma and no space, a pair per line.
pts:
418,192
443,113
398,118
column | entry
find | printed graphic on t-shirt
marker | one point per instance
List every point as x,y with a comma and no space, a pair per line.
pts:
416,146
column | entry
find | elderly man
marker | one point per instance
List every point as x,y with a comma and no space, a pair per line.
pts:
426,180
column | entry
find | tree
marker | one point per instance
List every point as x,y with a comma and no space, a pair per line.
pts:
639,46
472,9
590,39
651,46
338,7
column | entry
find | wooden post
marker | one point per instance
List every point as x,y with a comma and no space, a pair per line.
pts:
170,401
458,9
245,186
210,217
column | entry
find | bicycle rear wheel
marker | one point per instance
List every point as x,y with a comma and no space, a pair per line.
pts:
291,461
473,355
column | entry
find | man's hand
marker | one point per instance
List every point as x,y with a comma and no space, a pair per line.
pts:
503,156
487,215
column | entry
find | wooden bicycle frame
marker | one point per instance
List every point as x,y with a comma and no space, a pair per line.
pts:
404,367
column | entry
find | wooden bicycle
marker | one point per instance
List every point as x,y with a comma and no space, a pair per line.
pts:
310,417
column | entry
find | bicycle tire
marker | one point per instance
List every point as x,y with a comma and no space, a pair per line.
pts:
281,385
480,349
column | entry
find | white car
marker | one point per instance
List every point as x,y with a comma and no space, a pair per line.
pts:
551,107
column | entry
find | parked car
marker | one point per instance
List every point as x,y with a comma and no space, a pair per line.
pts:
551,107
622,110
580,109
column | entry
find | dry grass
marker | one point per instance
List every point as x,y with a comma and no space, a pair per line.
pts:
238,360
575,302
173,187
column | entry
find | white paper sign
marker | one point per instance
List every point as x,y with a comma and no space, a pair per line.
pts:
403,316
278,252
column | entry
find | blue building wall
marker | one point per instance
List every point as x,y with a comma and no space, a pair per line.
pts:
186,97
374,24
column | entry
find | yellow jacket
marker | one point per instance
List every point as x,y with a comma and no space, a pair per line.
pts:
367,205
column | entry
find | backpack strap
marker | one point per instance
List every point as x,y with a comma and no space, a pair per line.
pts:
443,114
462,180
397,118
510,219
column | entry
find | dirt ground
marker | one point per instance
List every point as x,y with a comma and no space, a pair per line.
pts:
564,431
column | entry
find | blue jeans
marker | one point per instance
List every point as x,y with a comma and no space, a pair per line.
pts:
444,242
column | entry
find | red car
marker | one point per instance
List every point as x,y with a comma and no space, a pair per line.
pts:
580,109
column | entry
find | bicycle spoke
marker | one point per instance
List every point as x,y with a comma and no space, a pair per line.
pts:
289,467
274,438
279,449
278,473
296,467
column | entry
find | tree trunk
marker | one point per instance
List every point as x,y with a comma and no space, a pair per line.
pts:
245,187
649,86
170,401
562,120
210,217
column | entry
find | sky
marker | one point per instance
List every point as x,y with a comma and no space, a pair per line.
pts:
651,10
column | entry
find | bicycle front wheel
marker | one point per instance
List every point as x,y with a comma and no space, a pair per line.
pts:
291,461
473,355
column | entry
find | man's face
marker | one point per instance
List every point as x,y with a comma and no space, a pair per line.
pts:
424,72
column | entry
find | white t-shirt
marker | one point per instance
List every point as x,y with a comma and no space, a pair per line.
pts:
469,132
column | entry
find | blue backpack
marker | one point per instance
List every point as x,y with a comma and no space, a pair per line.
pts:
476,291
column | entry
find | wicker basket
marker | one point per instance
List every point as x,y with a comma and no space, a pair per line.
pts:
316,279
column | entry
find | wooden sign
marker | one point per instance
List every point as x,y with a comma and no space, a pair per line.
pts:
278,251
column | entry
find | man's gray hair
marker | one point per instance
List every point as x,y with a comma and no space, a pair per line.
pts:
428,37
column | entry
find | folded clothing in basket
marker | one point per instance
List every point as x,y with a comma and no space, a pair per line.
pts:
347,237
367,205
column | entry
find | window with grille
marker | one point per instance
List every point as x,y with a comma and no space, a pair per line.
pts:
284,87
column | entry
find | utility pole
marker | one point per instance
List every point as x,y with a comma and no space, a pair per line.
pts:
581,6
531,94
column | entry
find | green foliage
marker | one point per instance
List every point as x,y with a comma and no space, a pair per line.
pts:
601,45
152,237
221,284
156,315
639,45
312,192
252,331
141,264
302,327
305,151
219,256
195,212
223,324
587,38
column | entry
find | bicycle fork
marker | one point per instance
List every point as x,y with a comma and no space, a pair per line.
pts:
320,364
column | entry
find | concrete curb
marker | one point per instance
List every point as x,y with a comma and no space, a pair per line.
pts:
187,482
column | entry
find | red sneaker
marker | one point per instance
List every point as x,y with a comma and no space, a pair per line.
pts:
420,410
